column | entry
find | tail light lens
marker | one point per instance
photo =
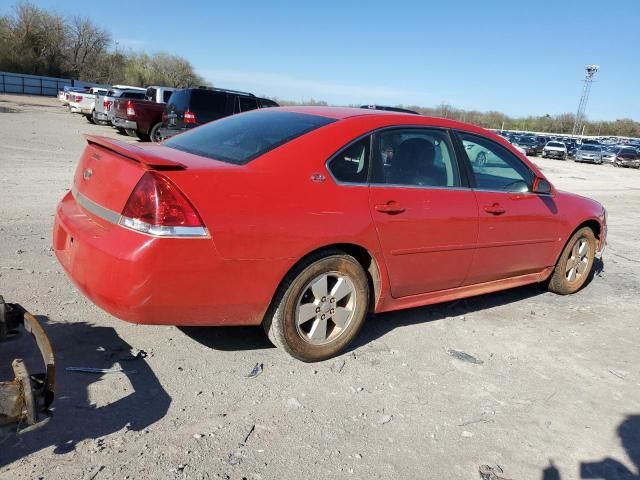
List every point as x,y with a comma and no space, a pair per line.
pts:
130,110
157,207
189,117
78,98
107,104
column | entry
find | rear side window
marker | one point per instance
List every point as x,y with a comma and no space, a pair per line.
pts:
241,138
351,165
213,103
418,157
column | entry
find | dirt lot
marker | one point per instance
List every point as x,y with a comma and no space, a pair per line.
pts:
555,392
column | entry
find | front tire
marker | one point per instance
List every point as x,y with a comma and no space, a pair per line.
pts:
320,307
575,263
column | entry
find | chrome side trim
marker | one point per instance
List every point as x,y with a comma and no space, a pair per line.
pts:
97,210
136,225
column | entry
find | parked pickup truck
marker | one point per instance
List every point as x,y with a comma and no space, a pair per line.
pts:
192,107
142,118
65,94
104,108
84,102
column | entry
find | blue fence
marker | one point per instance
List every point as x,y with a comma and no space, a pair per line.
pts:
36,85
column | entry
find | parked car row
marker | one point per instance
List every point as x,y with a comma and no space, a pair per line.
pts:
587,151
156,112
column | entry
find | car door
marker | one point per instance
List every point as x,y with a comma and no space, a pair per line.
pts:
425,214
518,230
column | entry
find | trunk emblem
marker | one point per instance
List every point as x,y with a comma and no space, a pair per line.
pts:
87,173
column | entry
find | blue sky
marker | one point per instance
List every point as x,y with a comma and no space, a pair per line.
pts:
515,57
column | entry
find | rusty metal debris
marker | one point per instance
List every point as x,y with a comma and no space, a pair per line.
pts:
24,398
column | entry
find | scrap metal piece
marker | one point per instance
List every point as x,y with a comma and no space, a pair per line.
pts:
27,395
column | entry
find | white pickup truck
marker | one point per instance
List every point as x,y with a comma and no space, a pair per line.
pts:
84,102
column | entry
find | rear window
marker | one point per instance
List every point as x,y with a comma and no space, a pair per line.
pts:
241,138
179,100
555,144
151,94
590,148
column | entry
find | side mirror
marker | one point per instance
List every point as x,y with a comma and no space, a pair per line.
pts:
540,185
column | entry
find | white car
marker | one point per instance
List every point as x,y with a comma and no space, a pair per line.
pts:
555,149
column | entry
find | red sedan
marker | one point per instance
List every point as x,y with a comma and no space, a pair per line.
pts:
305,219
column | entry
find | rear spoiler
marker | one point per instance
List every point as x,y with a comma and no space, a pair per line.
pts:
147,158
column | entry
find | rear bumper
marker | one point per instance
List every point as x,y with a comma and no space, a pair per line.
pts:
124,123
554,153
628,163
150,280
103,117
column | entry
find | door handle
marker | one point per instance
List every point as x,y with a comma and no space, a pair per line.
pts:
495,209
390,208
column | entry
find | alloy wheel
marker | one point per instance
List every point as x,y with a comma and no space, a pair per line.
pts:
578,261
325,308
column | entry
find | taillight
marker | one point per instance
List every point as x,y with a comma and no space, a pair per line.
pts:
189,117
107,104
157,207
78,98
130,110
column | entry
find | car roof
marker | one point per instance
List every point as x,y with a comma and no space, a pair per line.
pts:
339,113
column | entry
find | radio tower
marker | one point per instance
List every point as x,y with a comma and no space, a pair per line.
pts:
590,71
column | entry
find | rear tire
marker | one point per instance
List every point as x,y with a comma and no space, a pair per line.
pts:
575,263
320,307
121,130
154,133
131,132
90,118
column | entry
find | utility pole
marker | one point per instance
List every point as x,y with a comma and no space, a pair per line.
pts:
590,71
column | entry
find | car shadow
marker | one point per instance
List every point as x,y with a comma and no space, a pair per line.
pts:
229,338
378,325
138,402
610,468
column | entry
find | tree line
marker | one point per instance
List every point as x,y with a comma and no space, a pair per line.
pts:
37,42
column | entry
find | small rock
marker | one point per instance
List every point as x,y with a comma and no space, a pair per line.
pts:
466,434
465,357
385,419
358,456
197,436
19,251
293,403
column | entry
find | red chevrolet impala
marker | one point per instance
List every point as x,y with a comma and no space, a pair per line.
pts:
305,219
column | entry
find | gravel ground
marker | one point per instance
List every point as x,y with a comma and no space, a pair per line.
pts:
554,392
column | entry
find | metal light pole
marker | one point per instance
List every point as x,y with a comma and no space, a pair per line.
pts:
590,71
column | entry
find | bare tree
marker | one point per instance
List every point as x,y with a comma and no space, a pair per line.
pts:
85,42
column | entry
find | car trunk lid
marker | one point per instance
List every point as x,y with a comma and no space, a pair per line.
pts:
109,170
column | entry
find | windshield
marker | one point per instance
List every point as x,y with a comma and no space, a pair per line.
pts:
555,144
241,138
590,148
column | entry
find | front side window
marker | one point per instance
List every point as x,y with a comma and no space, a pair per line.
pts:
494,167
351,165
419,157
